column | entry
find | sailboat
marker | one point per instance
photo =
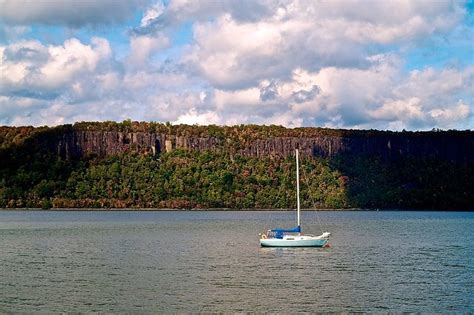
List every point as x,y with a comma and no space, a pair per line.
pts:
293,237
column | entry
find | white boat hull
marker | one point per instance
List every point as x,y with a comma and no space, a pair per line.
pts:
293,237
295,241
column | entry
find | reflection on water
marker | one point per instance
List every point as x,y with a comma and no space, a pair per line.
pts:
212,262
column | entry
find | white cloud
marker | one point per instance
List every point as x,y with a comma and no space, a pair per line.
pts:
360,98
181,11
235,53
193,117
30,68
67,61
237,101
142,47
152,13
67,12
438,86
302,62
451,117
399,110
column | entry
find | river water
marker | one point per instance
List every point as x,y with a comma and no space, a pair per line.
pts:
182,261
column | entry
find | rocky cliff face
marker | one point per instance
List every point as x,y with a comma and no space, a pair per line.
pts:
75,143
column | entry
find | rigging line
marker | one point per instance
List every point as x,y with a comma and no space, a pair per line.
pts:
312,199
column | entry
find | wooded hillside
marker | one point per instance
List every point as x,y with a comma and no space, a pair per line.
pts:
152,165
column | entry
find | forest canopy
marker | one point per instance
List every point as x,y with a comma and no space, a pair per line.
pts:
35,175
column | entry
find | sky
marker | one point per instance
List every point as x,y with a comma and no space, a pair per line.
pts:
389,65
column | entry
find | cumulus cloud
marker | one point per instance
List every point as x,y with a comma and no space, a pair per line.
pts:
73,81
67,12
451,116
381,96
43,76
193,117
400,110
32,69
234,53
142,47
301,62
269,91
158,16
302,96
152,14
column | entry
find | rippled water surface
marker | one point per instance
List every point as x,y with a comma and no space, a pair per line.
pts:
211,262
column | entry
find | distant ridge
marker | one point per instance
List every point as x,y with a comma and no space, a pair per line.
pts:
110,138
154,165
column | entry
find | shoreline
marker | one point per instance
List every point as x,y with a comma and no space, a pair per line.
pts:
220,209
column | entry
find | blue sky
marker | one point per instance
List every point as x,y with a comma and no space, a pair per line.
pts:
343,64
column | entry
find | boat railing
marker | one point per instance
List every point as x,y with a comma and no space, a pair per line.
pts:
273,234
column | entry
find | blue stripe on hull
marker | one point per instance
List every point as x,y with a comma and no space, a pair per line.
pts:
295,243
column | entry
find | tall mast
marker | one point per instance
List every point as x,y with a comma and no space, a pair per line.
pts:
298,187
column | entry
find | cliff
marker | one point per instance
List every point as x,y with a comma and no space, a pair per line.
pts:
152,165
74,142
